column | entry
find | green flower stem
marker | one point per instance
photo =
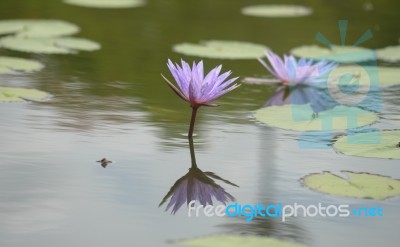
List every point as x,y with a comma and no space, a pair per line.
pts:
192,121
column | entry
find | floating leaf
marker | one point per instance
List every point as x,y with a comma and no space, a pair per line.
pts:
260,81
10,94
238,241
390,53
302,117
38,28
357,185
61,45
277,11
341,54
76,43
11,26
9,65
34,45
222,49
364,75
368,75
107,3
379,144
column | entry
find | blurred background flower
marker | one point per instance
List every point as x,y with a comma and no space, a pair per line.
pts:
293,72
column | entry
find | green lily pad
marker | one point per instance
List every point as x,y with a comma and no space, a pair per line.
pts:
37,28
390,53
357,185
60,45
11,26
107,3
237,241
340,54
366,75
11,94
222,49
277,11
302,118
10,65
362,144
76,43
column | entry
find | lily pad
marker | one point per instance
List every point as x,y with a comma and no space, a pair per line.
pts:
11,26
340,54
9,65
37,28
367,75
237,241
303,118
76,43
277,11
107,3
11,94
222,49
362,144
390,53
357,185
60,45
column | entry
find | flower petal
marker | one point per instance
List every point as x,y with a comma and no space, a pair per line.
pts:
176,90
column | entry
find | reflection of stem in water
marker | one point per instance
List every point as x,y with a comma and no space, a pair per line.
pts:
192,121
192,154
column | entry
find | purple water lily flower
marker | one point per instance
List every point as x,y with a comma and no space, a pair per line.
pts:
293,72
198,186
197,89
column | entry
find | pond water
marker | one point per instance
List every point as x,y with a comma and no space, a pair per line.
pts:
113,103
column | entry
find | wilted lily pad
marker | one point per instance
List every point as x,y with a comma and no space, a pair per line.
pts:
107,3
357,185
341,54
60,45
11,94
222,49
390,53
237,241
302,117
362,144
9,65
277,11
38,28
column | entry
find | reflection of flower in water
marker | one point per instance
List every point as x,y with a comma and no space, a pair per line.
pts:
196,185
294,72
318,98
199,186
